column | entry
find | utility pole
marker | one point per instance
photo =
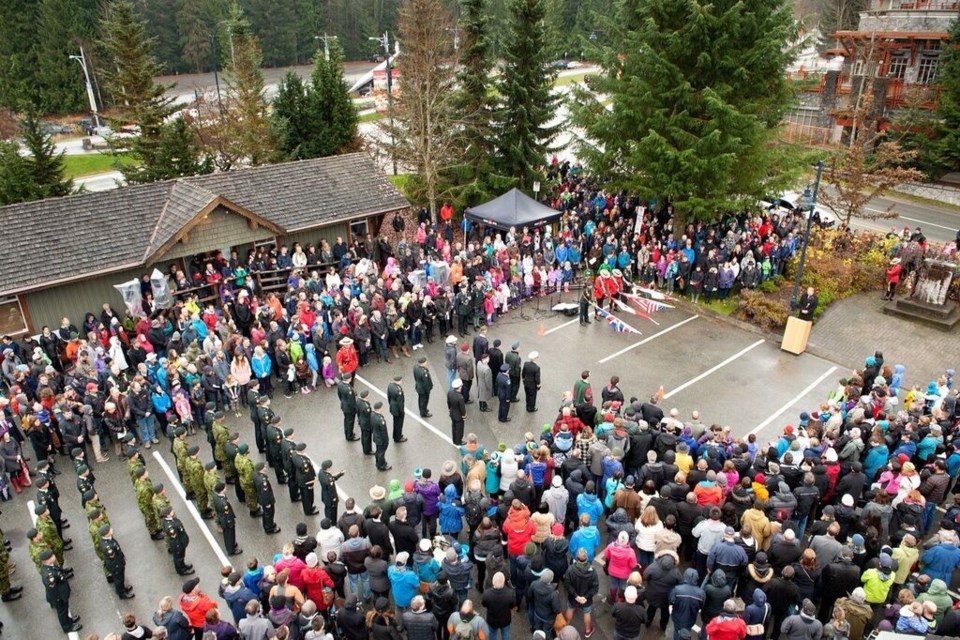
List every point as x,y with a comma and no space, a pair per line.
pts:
82,59
326,44
385,43
809,203
214,62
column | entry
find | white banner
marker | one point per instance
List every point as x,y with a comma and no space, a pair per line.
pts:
131,296
161,291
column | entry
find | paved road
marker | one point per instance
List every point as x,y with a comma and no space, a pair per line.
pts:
939,224
731,376
100,181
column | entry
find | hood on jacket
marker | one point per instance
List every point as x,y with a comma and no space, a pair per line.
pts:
937,588
670,457
690,576
759,597
564,440
718,578
450,492
620,515
589,497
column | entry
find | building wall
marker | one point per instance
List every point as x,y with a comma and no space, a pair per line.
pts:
221,230
314,236
74,300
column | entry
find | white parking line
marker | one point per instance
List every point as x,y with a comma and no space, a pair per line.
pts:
713,368
646,340
558,327
794,400
221,556
443,436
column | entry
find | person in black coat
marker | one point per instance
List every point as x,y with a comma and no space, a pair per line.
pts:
378,533
351,620
503,393
781,593
838,580
530,375
457,406
405,535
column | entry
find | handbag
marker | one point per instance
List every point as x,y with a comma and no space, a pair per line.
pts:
25,475
760,628
559,622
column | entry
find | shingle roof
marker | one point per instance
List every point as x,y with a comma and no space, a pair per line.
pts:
62,239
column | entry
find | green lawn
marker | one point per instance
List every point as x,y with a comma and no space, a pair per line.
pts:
88,164
400,181
371,117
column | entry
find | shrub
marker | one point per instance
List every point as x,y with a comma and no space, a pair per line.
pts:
767,312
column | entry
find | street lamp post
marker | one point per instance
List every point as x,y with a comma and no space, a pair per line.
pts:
385,43
214,62
809,203
82,59
326,45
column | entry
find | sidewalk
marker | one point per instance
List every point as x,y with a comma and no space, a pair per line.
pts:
852,329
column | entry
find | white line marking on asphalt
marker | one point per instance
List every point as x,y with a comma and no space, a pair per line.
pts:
192,509
340,492
558,327
794,400
713,368
410,413
646,340
925,223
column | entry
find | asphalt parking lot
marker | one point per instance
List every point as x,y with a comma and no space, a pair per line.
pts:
731,376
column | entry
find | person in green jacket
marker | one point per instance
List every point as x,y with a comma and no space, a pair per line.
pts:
221,436
193,475
245,473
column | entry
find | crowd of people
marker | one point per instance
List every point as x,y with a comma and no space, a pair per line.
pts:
819,533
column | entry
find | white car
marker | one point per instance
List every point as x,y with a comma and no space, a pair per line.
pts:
794,199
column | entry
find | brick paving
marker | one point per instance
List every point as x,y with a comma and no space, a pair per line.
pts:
854,328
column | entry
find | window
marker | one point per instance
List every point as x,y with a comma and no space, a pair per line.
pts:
927,70
358,229
898,67
12,321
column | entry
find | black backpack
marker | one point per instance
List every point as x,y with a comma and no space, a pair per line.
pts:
473,512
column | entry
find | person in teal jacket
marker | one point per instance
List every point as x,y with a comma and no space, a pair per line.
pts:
493,474
404,582
587,537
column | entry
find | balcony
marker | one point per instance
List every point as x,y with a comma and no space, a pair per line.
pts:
912,5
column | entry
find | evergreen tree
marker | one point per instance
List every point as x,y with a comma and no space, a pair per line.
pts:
474,102
290,116
47,172
137,98
332,115
946,145
16,183
698,91
422,125
179,153
19,20
527,99
247,121
162,27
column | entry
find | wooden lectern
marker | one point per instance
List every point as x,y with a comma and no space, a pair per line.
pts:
796,334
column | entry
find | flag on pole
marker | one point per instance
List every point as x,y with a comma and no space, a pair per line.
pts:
631,310
615,323
646,305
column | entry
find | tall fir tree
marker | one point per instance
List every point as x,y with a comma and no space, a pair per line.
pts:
422,128
138,100
247,119
178,151
289,116
697,92
46,167
16,183
474,101
946,146
527,101
19,23
332,115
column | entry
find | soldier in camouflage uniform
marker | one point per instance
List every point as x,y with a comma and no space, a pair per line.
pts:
193,475
230,466
221,435
144,490
179,448
160,500
91,501
8,592
49,531
210,480
245,475
209,414
134,459
97,519
46,498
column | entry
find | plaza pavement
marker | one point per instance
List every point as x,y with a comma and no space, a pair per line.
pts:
732,376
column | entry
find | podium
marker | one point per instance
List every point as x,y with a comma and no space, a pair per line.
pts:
796,334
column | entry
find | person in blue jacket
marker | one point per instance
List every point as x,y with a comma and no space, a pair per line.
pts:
451,512
404,583
687,599
587,537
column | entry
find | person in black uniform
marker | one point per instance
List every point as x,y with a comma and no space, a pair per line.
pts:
231,450
288,456
274,453
396,401
503,393
253,402
458,411
363,419
328,490
115,563
496,356
513,359
47,498
378,424
58,591
177,541
423,384
265,498
530,374
227,518
348,405
306,478
586,303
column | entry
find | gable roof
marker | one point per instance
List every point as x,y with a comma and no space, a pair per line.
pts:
58,240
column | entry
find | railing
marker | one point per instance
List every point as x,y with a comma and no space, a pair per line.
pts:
913,5
900,94
266,282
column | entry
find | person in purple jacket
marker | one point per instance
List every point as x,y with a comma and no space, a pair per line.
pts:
430,491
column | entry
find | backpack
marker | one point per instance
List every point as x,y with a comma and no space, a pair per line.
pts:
473,513
463,631
783,514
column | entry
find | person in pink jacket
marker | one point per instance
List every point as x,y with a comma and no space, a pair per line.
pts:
621,560
294,564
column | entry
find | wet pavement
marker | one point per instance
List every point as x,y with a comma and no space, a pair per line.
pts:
731,376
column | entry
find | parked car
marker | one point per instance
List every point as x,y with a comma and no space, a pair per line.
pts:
791,200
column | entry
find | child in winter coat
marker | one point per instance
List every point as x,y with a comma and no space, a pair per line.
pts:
329,373
232,387
311,356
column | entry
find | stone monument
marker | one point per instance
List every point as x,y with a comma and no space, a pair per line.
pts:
928,302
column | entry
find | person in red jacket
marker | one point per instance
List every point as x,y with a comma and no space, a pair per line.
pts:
347,360
315,579
728,625
446,212
893,278
518,527
195,604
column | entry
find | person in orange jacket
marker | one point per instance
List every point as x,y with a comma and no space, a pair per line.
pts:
195,604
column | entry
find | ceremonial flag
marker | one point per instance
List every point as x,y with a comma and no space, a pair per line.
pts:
615,323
